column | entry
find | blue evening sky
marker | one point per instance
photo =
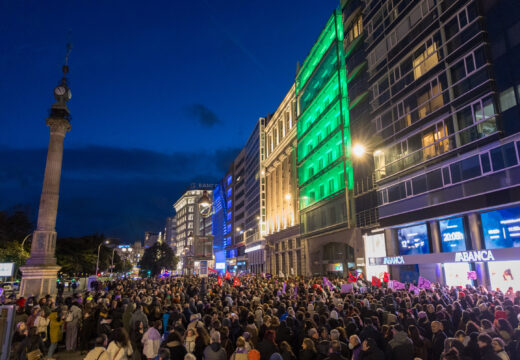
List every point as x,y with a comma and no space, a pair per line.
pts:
163,93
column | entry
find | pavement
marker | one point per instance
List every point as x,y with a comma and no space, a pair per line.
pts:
68,355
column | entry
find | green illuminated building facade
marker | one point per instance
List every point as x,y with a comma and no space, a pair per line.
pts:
323,134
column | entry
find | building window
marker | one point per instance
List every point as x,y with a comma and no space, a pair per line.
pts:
355,30
425,59
503,156
507,99
331,186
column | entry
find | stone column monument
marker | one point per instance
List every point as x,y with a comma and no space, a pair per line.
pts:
39,274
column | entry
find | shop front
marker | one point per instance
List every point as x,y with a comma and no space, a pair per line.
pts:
475,248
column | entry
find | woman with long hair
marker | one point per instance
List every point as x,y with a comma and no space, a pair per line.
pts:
286,351
201,341
421,345
135,338
308,351
174,344
120,347
241,351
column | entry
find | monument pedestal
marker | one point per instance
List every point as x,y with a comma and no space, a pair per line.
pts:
38,280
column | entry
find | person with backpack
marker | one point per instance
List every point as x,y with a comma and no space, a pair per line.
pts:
99,352
120,347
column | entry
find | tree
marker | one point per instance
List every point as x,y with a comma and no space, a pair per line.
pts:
14,227
78,255
158,257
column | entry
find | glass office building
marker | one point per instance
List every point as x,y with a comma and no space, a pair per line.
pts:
444,92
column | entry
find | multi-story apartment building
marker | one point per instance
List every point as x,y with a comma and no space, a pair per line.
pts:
444,86
325,176
362,131
286,253
254,224
189,222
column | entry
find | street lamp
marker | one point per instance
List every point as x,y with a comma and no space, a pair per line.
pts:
106,242
359,150
25,238
112,265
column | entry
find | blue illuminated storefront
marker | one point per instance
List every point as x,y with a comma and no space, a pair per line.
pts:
454,249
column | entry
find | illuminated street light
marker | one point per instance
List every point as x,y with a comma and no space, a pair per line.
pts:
288,197
358,150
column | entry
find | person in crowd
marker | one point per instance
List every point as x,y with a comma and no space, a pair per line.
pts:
401,346
32,345
261,321
19,336
120,348
437,340
99,351
72,321
421,345
499,347
370,350
486,349
214,351
56,322
335,351
241,352
164,354
189,340
268,346
174,345
354,344
152,340
308,351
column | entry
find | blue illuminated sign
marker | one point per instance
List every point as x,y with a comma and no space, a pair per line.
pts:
453,237
501,228
413,240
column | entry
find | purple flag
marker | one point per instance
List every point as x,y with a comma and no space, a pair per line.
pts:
398,285
424,283
346,288
472,275
295,291
284,286
414,288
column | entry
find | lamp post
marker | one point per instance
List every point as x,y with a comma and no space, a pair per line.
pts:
205,211
106,242
25,238
112,265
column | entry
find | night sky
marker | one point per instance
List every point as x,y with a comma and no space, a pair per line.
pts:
163,93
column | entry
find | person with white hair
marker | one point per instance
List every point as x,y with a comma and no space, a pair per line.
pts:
214,351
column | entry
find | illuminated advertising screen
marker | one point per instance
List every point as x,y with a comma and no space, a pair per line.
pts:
501,228
6,269
413,240
504,274
453,237
375,247
457,274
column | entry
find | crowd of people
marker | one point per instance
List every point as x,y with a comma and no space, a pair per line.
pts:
261,318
